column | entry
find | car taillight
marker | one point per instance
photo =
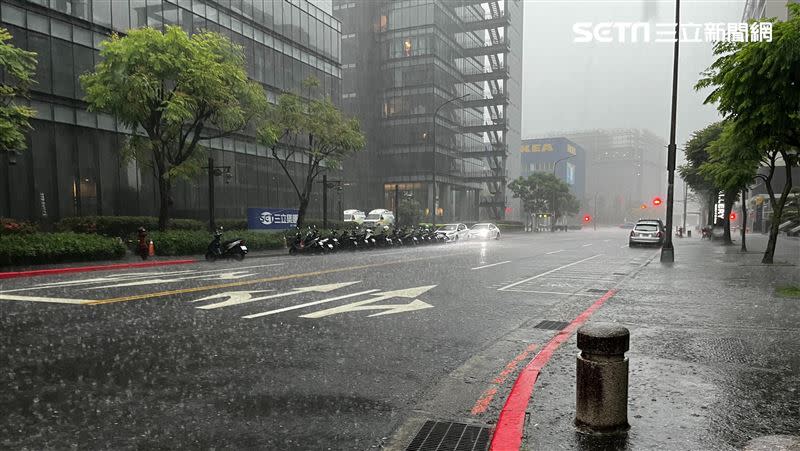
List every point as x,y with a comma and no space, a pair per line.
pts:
631,232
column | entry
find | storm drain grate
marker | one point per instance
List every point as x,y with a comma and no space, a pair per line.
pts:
551,325
596,290
446,436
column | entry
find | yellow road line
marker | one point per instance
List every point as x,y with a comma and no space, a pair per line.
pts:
159,294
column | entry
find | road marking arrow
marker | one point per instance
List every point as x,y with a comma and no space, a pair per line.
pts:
307,304
416,304
244,297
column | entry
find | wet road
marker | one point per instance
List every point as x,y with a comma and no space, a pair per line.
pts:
346,351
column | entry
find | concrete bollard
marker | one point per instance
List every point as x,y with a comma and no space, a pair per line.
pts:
602,378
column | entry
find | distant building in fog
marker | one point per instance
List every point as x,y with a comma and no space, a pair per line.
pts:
625,168
764,9
543,155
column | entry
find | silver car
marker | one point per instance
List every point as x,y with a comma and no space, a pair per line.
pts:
484,231
646,232
453,232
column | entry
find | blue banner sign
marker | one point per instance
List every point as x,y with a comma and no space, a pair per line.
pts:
271,218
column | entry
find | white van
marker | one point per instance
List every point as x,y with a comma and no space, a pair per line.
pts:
356,216
379,217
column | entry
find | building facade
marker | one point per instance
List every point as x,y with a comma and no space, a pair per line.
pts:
72,165
764,9
625,169
432,82
558,156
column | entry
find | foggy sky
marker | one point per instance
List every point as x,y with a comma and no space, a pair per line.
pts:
570,86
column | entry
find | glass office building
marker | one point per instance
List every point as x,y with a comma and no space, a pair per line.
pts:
72,165
402,62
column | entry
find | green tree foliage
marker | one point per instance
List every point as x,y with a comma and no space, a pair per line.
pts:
696,152
540,190
19,67
728,172
756,86
180,91
409,212
312,132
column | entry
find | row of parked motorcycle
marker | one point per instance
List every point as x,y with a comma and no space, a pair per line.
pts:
310,240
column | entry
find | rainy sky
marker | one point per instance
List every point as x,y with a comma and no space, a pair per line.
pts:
570,86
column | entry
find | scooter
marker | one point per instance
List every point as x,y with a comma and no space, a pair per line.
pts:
228,249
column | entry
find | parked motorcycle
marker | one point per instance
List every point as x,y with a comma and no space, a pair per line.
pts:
228,249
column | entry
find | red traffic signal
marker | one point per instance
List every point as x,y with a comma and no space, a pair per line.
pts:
733,216
656,201
587,218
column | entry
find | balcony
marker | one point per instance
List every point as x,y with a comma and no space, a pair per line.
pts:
497,126
483,50
500,73
490,22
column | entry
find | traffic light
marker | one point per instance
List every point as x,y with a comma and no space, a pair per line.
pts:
733,216
587,218
657,201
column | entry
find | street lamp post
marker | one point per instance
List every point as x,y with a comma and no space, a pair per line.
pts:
554,192
595,210
667,250
433,166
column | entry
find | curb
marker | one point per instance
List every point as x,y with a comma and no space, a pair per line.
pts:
74,269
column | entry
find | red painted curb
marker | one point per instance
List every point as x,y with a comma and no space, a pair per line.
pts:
508,433
49,272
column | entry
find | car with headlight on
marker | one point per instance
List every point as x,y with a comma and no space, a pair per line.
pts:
646,233
484,231
453,232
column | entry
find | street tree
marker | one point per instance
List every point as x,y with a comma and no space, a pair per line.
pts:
540,190
696,152
175,92
409,211
307,136
730,174
19,67
756,86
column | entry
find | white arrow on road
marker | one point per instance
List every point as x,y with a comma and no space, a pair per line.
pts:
11,297
244,297
416,304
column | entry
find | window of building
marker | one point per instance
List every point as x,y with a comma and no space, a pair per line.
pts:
101,12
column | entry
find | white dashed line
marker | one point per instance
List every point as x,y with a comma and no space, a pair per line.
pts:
493,264
555,252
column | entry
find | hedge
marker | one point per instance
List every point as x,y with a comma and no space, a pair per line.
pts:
121,225
38,248
195,242
9,226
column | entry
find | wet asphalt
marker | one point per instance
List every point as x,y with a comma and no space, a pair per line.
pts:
300,352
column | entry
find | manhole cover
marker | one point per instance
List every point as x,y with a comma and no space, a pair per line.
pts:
551,325
447,436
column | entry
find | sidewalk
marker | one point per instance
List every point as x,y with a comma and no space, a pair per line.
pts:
714,355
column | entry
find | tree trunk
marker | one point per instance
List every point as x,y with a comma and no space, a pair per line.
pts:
777,212
730,196
301,212
165,191
712,200
769,254
744,219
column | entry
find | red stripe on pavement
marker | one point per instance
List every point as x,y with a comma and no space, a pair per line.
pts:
49,272
508,433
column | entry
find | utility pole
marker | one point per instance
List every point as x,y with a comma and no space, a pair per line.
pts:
324,201
595,210
434,199
397,203
667,250
685,195
554,192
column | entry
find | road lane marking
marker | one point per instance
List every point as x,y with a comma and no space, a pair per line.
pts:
493,264
11,297
510,424
159,294
244,297
416,304
554,252
547,272
551,292
486,398
587,245
308,304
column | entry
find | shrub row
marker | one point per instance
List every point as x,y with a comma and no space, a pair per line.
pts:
121,225
9,226
195,242
38,248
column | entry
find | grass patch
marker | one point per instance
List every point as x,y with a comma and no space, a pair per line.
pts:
790,291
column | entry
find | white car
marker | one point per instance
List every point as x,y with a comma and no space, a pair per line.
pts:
378,218
484,231
356,216
453,232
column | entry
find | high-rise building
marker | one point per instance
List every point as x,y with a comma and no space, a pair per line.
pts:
764,9
72,165
432,77
625,168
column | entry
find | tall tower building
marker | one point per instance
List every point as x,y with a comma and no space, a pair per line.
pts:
406,64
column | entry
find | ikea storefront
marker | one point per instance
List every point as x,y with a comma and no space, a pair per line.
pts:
567,158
